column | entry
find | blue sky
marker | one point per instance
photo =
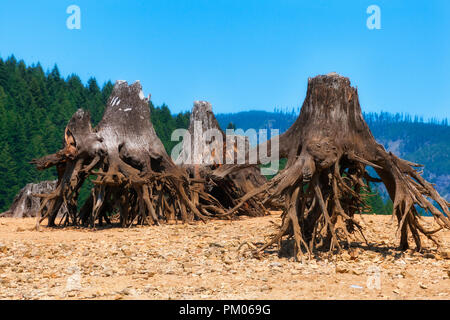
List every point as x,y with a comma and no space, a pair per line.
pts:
245,54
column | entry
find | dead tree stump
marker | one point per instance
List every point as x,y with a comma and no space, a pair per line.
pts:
328,148
134,174
205,156
26,204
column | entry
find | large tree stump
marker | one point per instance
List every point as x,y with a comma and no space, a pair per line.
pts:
134,174
205,156
328,149
26,204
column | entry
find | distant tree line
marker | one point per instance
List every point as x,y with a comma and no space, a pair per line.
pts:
388,118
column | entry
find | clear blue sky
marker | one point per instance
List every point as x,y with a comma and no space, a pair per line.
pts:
243,54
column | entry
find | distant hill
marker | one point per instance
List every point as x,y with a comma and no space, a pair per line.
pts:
411,138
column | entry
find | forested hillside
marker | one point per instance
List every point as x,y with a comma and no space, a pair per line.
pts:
414,140
35,106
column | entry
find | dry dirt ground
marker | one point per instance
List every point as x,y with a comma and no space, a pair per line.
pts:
207,261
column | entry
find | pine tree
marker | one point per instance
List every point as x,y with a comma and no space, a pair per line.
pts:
231,126
8,172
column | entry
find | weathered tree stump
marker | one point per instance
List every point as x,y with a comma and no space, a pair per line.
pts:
205,156
328,149
25,204
135,175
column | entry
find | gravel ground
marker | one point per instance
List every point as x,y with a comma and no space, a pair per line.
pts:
207,261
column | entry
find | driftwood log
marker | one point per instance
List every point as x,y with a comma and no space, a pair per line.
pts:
134,175
211,155
25,204
328,149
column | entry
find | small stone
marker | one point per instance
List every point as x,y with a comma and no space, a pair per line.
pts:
126,291
227,260
404,273
346,256
275,264
356,272
188,265
126,252
423,286
215,244
266,288
354,254
340,269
